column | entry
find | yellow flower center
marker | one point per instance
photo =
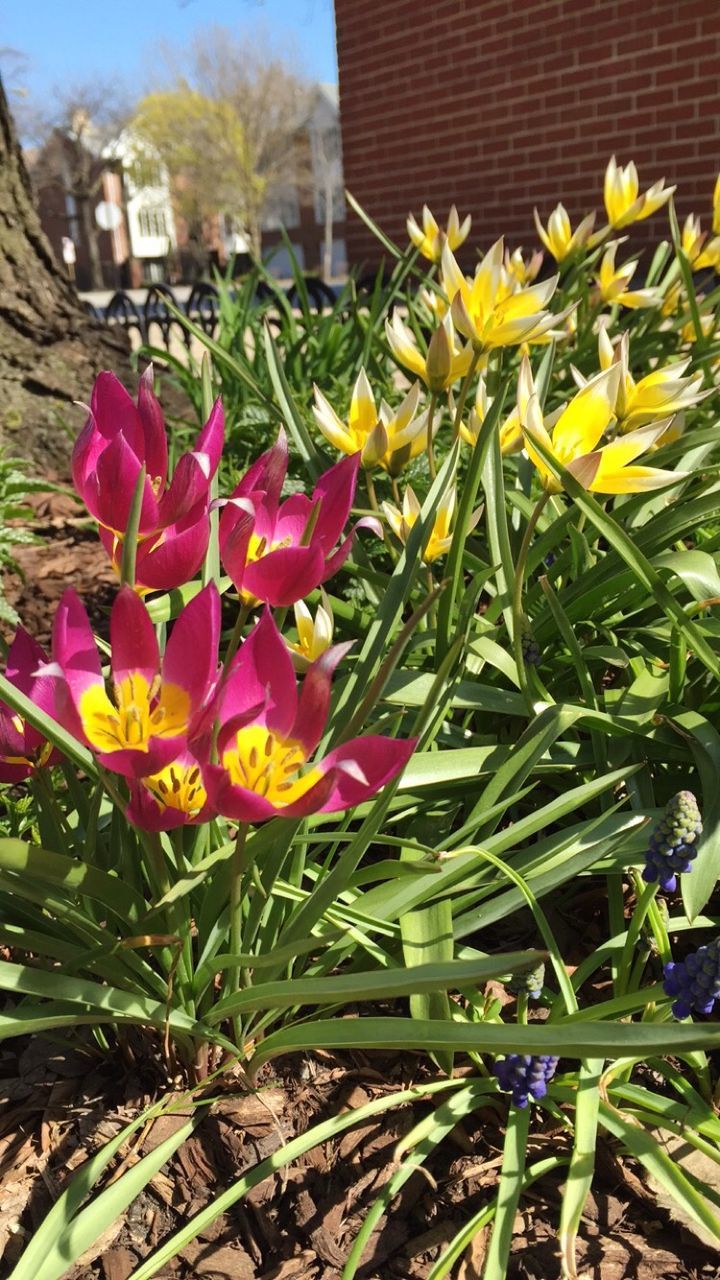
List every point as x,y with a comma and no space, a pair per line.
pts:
268,765
179,786
139,711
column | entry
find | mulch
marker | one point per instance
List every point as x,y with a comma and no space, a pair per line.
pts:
59,1104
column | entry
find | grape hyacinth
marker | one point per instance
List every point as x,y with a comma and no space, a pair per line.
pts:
529,983
694,981
524,1076
673,843
530,647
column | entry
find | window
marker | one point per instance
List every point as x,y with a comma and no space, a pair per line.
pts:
152,222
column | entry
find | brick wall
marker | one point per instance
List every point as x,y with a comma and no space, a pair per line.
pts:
499,105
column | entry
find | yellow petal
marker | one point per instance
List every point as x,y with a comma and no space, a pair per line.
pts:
582,423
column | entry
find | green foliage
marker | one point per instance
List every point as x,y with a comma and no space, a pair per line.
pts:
559,669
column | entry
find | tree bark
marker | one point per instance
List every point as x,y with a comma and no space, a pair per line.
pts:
50,349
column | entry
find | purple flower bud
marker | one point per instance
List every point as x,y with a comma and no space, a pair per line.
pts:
695,981
674,841
524,1076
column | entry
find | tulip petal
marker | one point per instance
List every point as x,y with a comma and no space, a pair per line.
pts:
212,437
267,474
118,469
73,646
132,638
191,655
361,767
284,576
189,487
153,427
262,675
335,490
132,763
174,558
314,703
291,523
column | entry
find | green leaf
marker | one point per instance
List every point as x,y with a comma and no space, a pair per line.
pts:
563,1038
346,988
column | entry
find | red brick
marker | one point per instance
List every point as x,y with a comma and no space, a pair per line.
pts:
502,104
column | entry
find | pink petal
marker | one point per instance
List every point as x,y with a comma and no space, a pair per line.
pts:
13,773
131,763
132,638
73,647
115,413
12,740
212,437
282,577
175,557
292,519
336,561
118,470
153,426
268,473
191,656
232,801
361,767
189,487
314,703
24,657
234,533
262,675
336,490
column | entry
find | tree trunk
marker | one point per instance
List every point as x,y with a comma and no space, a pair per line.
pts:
50,350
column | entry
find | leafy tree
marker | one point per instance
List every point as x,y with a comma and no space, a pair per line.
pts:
230,131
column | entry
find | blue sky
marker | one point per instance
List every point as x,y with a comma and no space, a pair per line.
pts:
70,41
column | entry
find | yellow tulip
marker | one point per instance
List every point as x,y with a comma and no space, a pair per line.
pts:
511,436
716,207
439,542
436,303
575,434
559,238
660,394
623,203
430,239
699,251
486,310
520,271
314,634
612,282
382,436
446,360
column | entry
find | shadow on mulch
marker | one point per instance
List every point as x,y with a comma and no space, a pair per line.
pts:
58,1105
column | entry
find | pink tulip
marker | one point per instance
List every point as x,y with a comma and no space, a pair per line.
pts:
268,734
155,707
22,748
279,552
173,797
120,437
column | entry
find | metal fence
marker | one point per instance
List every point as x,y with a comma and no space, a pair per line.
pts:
155,324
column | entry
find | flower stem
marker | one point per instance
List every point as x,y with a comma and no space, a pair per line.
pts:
637,921
430,451
236,636
517,609
237,872
464,388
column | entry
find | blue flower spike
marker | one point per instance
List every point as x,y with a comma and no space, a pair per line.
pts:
674,842
524,1076
695,981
